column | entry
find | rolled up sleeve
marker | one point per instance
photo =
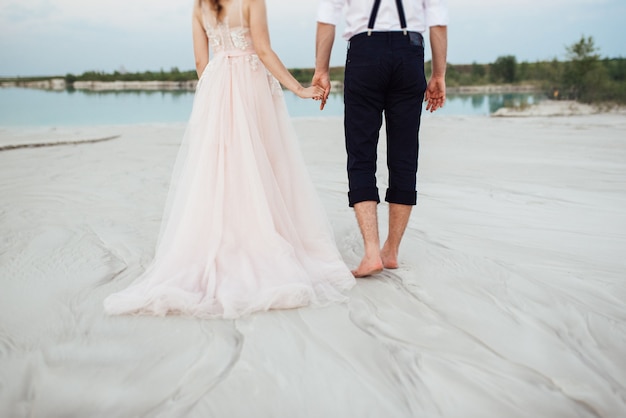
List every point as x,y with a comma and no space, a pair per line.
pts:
330,11
436,12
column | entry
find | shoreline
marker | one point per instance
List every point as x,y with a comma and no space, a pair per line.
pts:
58,84
494,88
558,108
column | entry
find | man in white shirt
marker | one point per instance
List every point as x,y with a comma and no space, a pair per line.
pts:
384,74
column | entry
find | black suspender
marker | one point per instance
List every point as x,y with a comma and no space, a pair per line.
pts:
373,15
401,14
376,6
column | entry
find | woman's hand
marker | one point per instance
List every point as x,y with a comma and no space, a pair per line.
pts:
313,92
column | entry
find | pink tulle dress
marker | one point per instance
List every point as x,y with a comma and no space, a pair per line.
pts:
243,228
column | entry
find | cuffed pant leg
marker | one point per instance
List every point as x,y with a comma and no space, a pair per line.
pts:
402,114
364,101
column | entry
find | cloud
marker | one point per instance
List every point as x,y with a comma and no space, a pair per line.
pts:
115,14
129,15
15,12
57,36
486,11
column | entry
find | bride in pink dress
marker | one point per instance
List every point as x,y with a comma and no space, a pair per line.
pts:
243,228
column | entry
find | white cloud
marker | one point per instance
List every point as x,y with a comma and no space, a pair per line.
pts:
116,14
55,36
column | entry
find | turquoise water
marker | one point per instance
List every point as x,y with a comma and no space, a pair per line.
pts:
30,107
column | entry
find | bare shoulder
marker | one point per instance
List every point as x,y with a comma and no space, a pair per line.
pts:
245,6
197,8
253,3
258,6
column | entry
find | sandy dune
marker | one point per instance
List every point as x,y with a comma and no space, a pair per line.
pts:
509,301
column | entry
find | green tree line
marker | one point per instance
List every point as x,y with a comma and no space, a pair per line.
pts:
174,74
303,75
584,76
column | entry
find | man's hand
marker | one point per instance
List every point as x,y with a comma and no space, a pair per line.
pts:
324,39
435,93
436,90
322,80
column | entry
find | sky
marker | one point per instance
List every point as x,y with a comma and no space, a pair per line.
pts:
56,37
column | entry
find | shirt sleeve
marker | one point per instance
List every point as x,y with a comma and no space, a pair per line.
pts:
436,12
330,11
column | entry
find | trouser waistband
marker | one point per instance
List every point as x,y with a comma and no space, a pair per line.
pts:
414,38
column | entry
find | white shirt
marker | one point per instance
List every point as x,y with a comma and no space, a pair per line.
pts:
420,14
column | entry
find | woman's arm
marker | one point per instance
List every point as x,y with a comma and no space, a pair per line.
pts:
200,40
261,40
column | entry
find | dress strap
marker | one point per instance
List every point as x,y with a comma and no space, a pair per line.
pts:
241,22
204,12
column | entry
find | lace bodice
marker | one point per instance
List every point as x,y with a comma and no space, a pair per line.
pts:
224,37
230,39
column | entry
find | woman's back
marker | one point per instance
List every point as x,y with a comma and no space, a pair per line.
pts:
243,228
229,32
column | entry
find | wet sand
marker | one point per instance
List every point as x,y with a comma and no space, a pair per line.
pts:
509,301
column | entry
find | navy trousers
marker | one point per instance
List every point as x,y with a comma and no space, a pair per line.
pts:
384,74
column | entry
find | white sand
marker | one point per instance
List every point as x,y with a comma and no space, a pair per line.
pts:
509,301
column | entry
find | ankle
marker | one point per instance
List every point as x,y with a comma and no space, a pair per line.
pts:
390,248
372,253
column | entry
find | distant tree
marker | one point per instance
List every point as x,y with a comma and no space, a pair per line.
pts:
583,50
337,73
523,71
478,71
616,67
453,75
428,67
551,72
584,75
504,69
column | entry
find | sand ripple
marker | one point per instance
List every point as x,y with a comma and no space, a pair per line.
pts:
509,301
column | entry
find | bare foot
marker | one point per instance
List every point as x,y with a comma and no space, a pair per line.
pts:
390,258
368,267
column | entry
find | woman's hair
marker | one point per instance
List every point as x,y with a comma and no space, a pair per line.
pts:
216,5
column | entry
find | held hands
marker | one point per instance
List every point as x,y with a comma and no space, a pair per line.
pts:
322,79
435,93
313,92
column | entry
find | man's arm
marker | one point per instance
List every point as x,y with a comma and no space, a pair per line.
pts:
436,89
323,46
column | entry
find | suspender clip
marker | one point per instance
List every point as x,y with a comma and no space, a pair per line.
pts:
374,13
